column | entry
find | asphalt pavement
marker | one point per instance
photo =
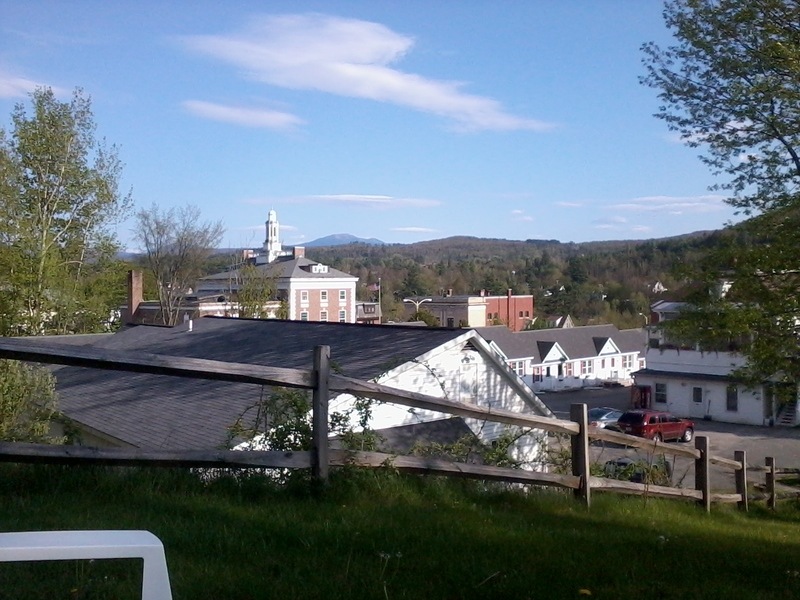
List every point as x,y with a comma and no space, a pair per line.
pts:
759,442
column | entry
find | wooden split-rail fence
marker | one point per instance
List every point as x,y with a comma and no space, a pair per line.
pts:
323,382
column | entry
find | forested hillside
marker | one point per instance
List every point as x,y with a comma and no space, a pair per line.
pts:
596,282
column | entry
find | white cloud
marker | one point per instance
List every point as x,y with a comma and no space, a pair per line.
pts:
414,229
519,215
12,86
354,58
362,200
570,204
248,117
675,205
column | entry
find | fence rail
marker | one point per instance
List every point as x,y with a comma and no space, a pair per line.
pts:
321,457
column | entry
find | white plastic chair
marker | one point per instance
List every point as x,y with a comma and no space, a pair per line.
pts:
78,545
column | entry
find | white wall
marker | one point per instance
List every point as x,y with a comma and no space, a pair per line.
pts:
446,375
692,361
680,390
750,405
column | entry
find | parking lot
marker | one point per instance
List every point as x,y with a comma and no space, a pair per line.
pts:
782,443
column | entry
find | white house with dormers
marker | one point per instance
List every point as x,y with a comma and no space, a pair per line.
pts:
575,357
308,290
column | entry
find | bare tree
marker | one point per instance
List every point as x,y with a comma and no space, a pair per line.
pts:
176,245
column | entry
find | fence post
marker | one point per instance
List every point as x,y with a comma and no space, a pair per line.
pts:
770,481
702,470
740,456
319,414
579,445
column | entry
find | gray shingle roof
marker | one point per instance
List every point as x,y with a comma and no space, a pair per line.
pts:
284,269
577,342
153,411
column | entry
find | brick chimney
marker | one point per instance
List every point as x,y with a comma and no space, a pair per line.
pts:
134,295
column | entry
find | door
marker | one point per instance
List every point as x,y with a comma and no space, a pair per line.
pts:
697,403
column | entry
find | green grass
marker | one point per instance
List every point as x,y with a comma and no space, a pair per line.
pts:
378,535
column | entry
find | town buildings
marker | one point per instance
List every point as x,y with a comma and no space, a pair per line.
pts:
466,310
303,289
573,357
702,384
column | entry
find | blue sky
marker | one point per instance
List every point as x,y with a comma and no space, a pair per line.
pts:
400,120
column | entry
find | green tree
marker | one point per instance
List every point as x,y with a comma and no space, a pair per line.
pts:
731,86
256,288
176,246
27,402
59,187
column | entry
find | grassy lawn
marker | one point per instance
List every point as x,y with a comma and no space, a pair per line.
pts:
378,535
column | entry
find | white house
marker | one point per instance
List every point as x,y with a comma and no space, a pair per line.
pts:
574,357
698,385
112,408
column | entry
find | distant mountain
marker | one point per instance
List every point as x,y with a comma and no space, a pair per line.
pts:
341,239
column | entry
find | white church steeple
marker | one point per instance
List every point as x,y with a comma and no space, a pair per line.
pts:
272,245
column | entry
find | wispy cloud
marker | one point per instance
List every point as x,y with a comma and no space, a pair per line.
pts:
363,200
354,58
615,222
12,86
414,229
674,205
570,204
519,215
247,117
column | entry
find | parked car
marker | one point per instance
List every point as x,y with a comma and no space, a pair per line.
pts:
655,425
603,416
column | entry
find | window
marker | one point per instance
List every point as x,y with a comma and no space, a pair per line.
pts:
520,314
537,373
568,369
304,315
342,316
304,296
451,322
661,392
627,361
323,295
518,366
612,363
587,367
697,395
527,313
323,316
342,295
602,363
732,398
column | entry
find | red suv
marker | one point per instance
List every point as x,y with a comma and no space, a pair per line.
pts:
655,425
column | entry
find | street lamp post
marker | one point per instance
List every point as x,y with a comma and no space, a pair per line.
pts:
416,302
